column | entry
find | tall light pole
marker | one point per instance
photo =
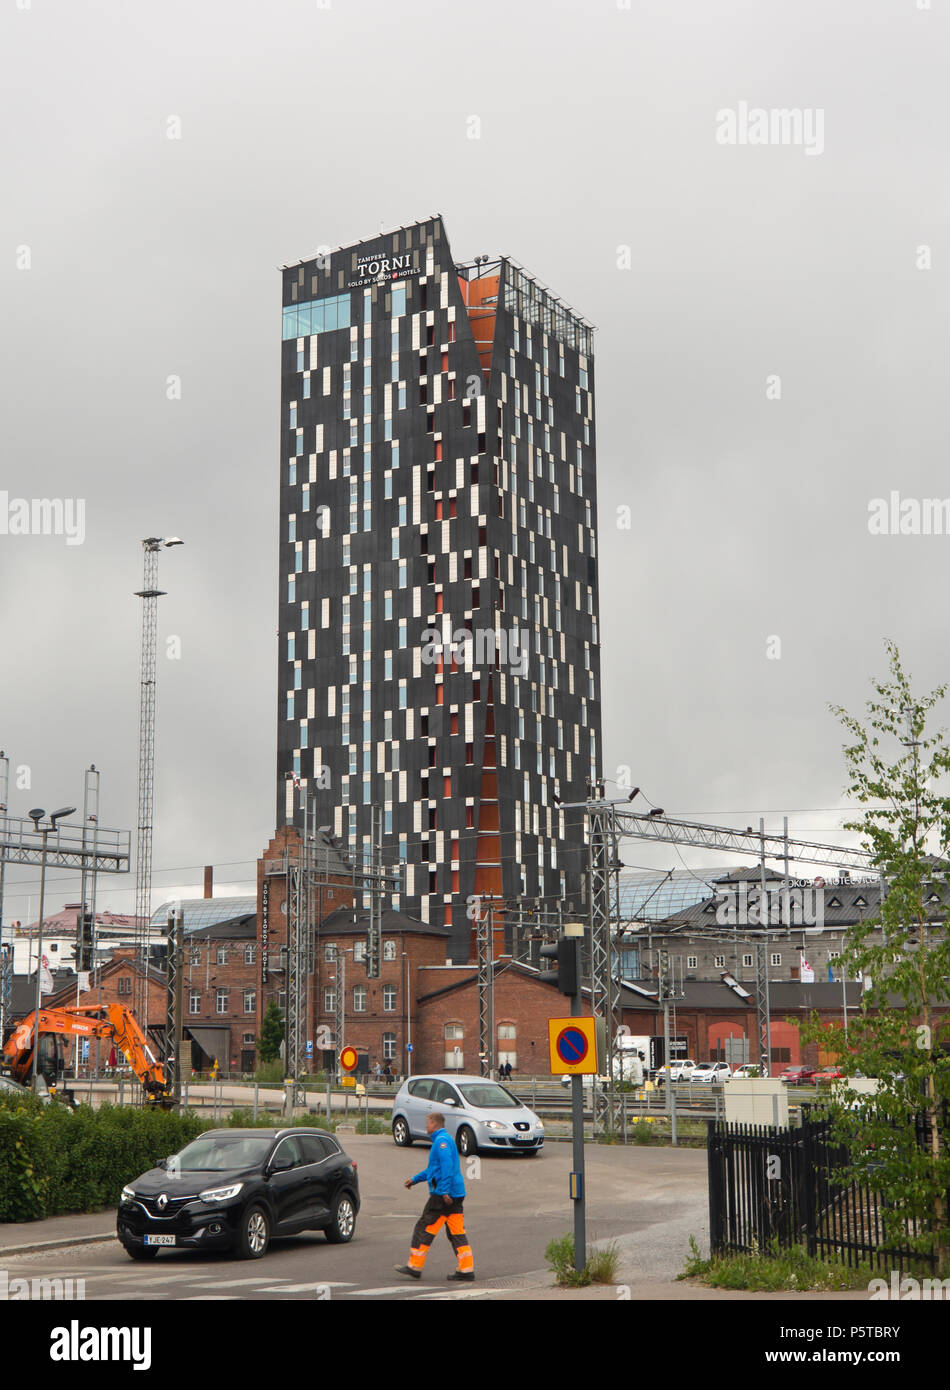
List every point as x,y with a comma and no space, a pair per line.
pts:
36,816
408,1040
149,594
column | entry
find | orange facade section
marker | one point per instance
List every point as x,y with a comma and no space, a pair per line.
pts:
481,301
488,846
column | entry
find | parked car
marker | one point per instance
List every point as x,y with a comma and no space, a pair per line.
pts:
829,1074
797,1076
681,1070
479,1114
747,1071
238,1189
711,1073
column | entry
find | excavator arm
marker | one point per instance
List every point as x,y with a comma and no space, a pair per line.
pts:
113,1022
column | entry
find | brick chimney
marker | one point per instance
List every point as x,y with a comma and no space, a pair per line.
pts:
209,881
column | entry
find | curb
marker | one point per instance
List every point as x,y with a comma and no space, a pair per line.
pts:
54,1244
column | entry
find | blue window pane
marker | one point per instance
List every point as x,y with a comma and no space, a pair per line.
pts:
290,321
318,313
303,320
330,315
399,300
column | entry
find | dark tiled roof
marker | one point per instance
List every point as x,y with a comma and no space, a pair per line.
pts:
236,928
844,904
747,874
341,923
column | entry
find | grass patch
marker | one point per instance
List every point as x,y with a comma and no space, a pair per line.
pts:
775,1271
601,1266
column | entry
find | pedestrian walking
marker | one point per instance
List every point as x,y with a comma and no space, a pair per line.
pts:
444,1207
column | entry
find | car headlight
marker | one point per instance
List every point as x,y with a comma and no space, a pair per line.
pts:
220,1194
494,1124
128,1194
539,1124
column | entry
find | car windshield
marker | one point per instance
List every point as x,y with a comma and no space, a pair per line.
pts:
486,1095
220,1153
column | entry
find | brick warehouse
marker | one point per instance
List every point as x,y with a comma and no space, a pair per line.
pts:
447,1018
379,1018
114,986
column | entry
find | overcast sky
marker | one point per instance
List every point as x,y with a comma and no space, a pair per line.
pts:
305,124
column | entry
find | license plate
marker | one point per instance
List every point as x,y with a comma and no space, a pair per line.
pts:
159,1240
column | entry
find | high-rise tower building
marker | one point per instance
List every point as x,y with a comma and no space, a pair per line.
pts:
439,650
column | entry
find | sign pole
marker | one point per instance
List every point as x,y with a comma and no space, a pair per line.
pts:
574,1044
577,1176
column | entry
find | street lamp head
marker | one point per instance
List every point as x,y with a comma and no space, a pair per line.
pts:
58,815
172,540
36,816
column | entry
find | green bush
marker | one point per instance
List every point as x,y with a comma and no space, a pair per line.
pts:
270,1072
374,1124
55,1160
244,1119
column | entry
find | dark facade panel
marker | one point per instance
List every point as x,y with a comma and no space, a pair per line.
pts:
420,491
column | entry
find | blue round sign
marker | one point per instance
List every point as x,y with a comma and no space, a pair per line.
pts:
571,1045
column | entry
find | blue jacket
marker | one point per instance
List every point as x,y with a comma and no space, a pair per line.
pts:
443,1174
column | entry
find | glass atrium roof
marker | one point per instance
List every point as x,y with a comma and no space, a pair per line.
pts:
653,895
204,912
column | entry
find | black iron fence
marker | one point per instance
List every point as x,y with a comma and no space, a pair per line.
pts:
776,1187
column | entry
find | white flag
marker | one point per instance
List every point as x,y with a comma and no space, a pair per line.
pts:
807,973
83,980
46,981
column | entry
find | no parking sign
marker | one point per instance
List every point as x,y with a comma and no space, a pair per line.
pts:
573,1046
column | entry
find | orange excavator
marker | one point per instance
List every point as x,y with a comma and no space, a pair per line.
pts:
113,1022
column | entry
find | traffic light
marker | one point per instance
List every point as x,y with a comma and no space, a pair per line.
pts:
84,954
565,952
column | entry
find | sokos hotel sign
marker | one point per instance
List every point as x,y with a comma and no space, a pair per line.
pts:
378,268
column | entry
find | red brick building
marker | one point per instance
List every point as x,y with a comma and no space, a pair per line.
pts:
220,993
447,1019
380,1015
114,986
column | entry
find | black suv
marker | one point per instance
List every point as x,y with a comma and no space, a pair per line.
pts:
237,1188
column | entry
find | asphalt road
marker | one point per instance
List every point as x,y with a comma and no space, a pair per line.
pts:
648,1200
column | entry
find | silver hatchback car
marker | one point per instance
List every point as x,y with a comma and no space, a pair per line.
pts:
479,1114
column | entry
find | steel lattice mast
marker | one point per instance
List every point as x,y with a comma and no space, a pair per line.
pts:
603,861
149,594
610,821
